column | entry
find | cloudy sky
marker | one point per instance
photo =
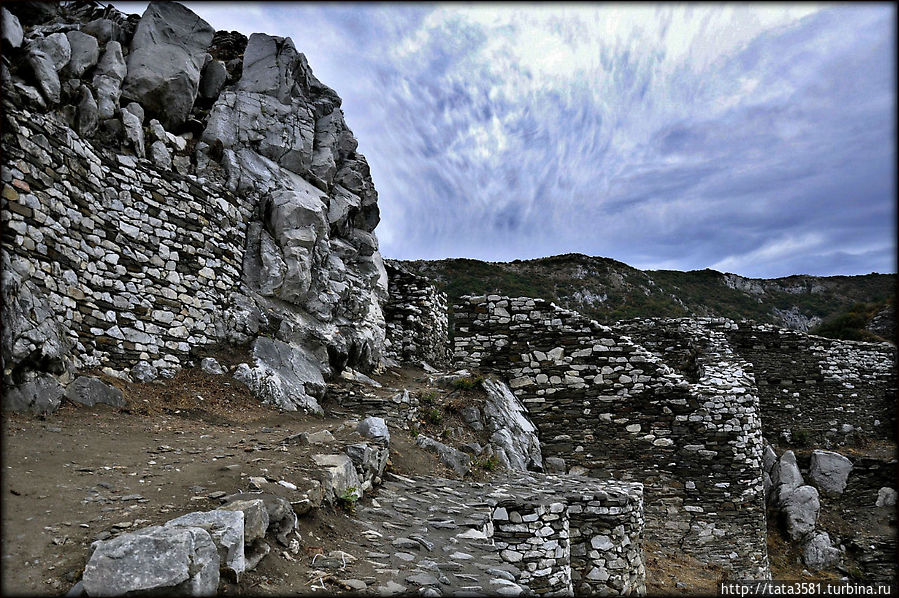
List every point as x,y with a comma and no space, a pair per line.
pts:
757,139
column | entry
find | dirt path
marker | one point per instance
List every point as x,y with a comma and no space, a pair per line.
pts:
82,474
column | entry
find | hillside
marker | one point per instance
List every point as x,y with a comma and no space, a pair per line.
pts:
608,290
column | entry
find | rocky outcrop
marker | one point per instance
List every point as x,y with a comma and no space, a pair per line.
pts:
283,376
829,471
512,435
240,206
167,55
173,560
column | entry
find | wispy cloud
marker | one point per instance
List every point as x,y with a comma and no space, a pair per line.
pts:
754,138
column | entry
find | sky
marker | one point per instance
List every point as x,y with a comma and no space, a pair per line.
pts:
758,139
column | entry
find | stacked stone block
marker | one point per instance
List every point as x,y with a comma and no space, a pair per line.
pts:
138,263
608,405
416,315
814,386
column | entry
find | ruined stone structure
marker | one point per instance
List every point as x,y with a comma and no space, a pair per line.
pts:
156,200
555,535
814,386
607,404
417,318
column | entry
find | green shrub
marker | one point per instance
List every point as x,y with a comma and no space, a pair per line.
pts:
434,415
468,382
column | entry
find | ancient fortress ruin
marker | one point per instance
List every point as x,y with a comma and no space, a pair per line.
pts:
168,188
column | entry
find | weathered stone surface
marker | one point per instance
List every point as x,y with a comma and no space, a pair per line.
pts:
11,32
85,52
213,78
269,63
90,391
340,480
31,331
134,132
800,511
211,366
513,435
105,30
785,476
829,471
886,497
167,53
160,155
819,553
43,394
107,81
144,372
374,428
284,133
283,376
256,519
45,75
226,527
455,459
170,560
55,47
88,112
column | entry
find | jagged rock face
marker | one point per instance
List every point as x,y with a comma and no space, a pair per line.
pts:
284,138
167,54
251,119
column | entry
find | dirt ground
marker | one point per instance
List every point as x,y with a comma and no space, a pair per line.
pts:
83,474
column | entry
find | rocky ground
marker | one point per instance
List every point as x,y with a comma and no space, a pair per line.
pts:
84,474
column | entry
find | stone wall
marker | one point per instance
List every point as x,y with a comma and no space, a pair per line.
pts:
416,315
609,405
157,200
811,387
136,262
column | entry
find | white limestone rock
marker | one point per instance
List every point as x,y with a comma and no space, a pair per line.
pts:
171,560
167,54
828,471
512,433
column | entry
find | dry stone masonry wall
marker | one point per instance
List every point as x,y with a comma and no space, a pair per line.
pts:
417,319
166,187
608,406
820,390
137,263
553,535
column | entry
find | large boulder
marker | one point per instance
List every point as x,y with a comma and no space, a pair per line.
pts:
282,520
284,133
41,395
85,53
55,47
818,552
11,32
32,336
226,527
165,560
88,116
167,54
374,428
453,458
269,66
829,471
339,479
799,511
785,476
513,435
283,376
90,391
107,81
255,517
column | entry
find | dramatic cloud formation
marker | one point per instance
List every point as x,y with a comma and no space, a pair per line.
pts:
756,139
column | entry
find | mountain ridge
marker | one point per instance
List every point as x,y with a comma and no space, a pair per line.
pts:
609,290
